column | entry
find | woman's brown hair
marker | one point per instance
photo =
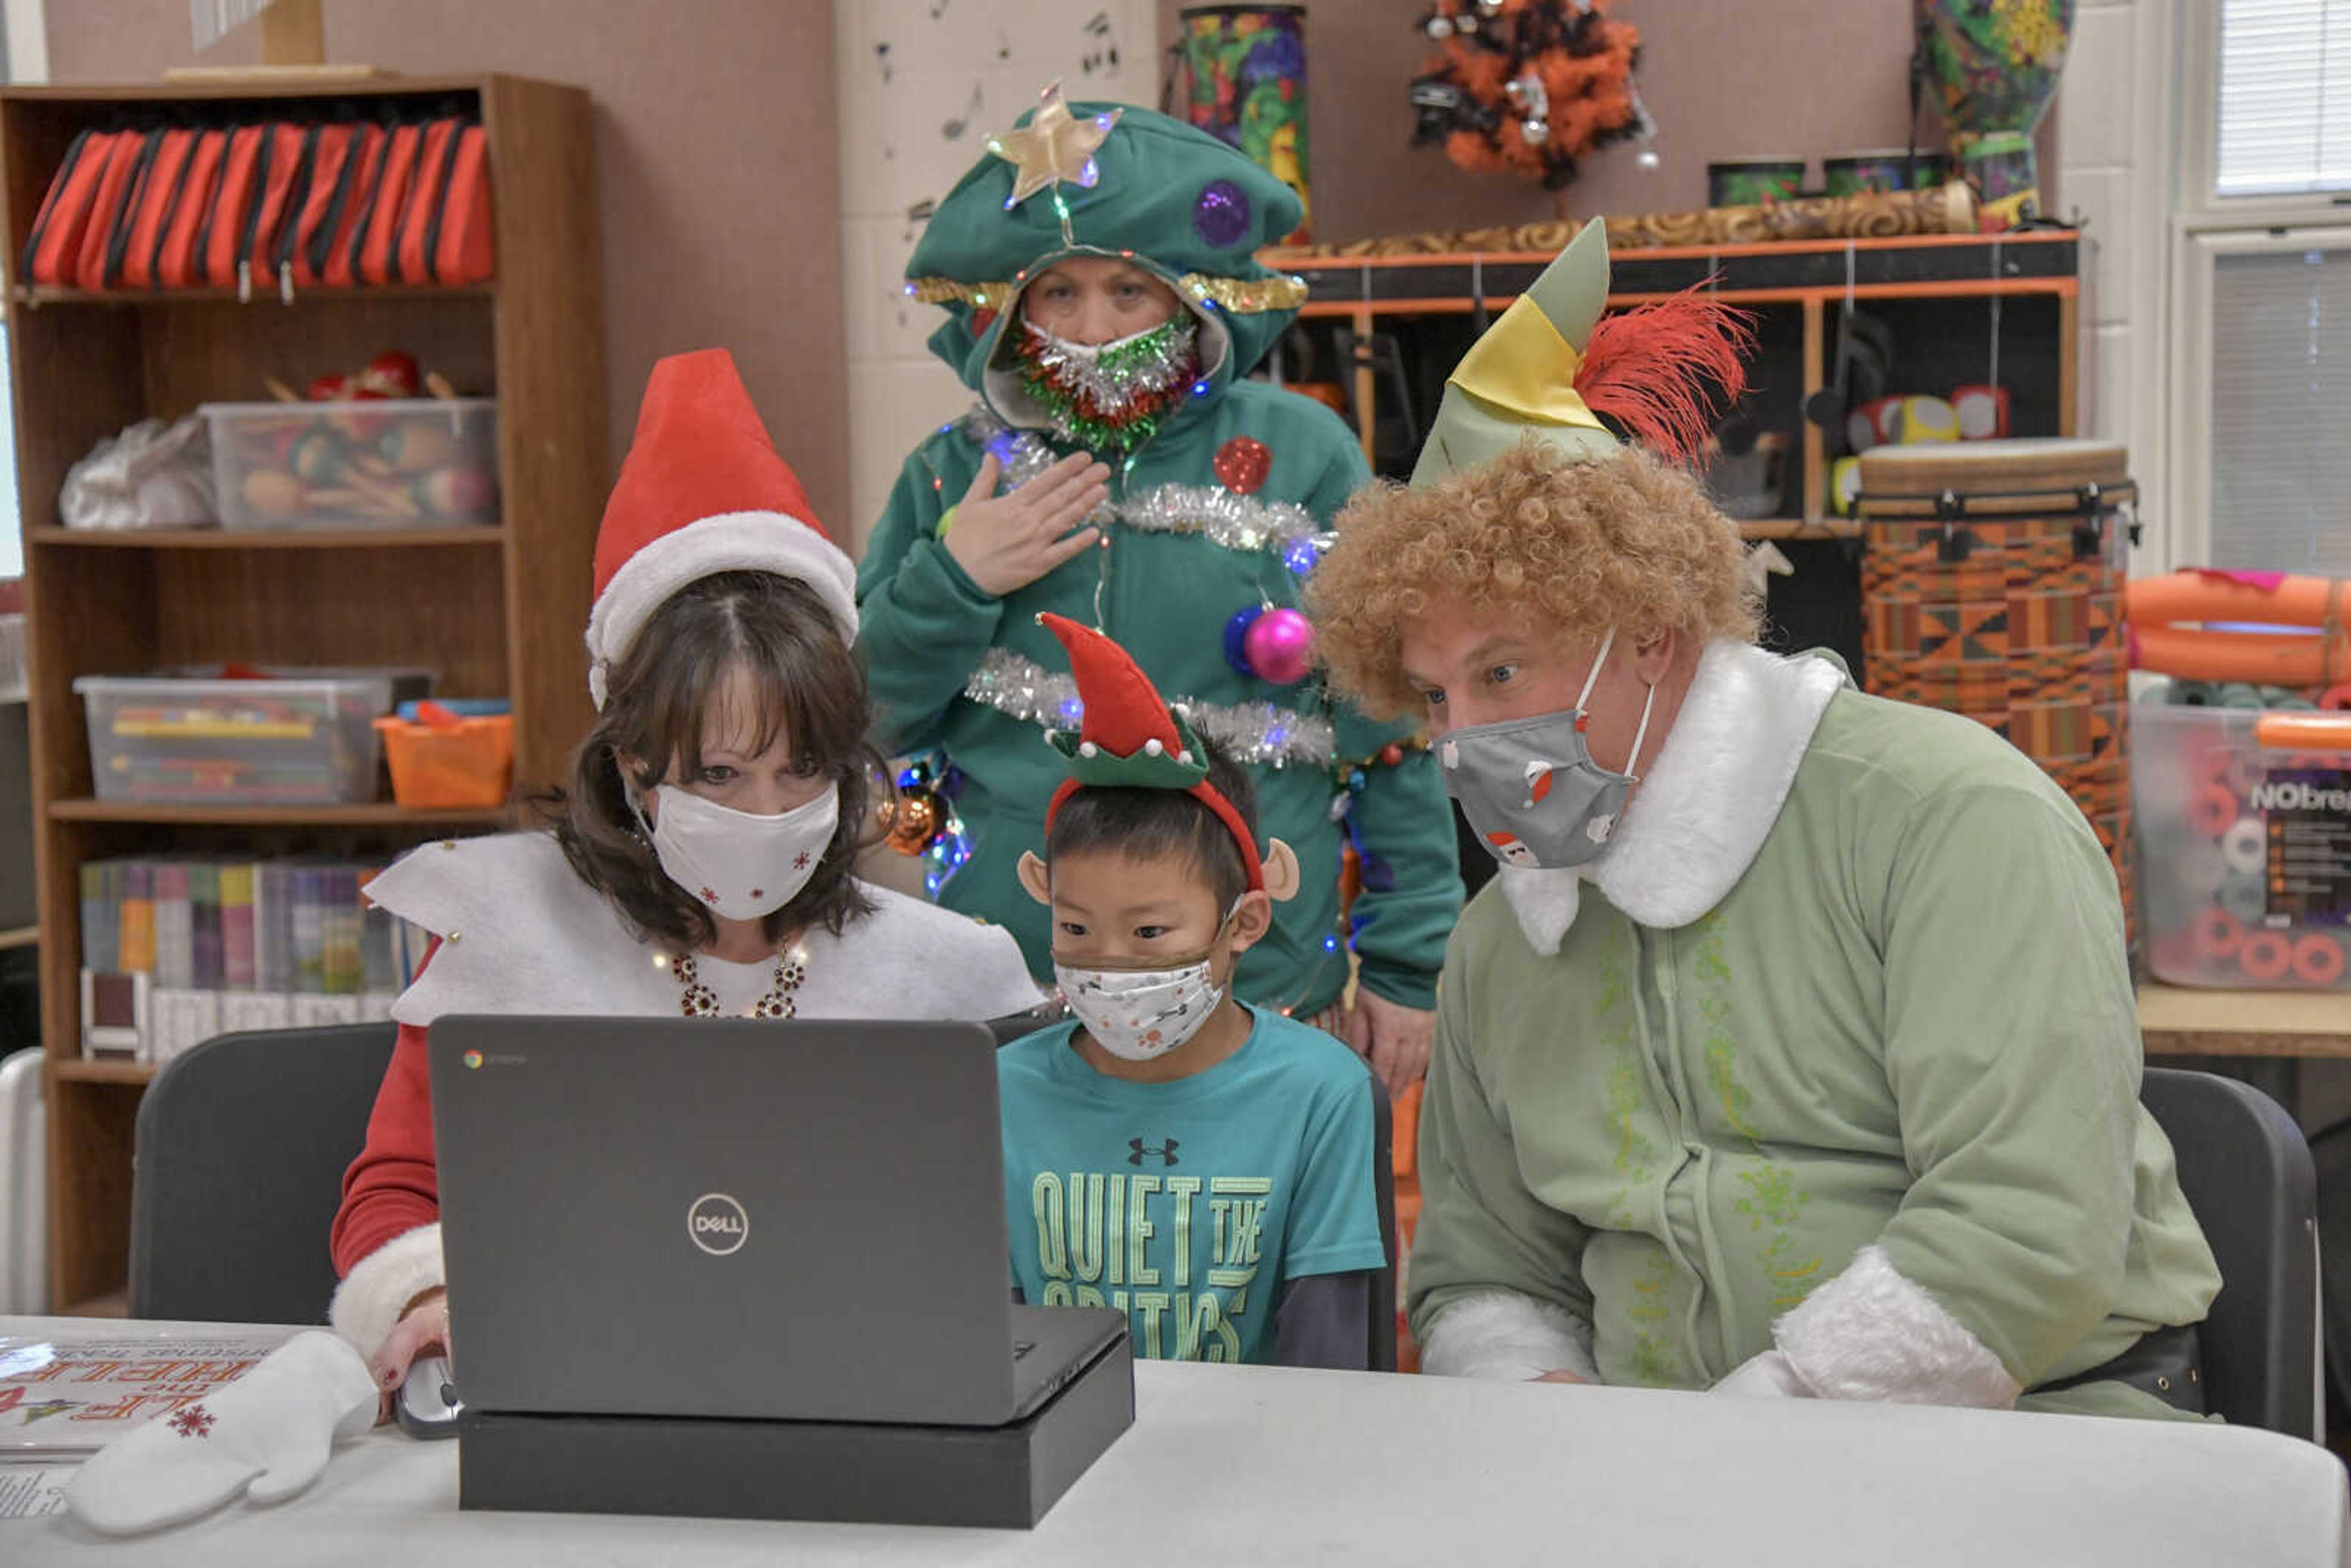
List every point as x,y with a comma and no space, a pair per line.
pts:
806,683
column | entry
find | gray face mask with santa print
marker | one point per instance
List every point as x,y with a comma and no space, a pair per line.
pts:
1530,787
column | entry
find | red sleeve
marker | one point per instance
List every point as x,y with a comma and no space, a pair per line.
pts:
393,1186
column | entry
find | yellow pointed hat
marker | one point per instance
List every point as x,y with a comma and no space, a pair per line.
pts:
1549,362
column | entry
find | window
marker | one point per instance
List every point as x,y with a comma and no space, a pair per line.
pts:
2259,335
2283,120
2261,480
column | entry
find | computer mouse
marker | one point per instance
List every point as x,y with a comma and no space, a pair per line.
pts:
428,1406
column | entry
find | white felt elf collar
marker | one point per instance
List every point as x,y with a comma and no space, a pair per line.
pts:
1707,803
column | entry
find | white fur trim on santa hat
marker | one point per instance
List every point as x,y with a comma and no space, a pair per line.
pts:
369,1299
1869,1333
731,541
1503,1335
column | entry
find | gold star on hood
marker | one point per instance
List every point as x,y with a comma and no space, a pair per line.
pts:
1053,148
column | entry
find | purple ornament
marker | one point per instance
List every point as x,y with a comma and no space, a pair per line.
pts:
1237,631
1281,647
1221,215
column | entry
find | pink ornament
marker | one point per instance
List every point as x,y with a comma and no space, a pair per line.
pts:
1281,647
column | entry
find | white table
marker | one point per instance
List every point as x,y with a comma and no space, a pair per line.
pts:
1262,1465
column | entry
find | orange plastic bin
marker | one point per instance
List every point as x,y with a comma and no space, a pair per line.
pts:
440,760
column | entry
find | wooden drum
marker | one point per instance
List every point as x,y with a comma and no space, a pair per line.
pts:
1992,586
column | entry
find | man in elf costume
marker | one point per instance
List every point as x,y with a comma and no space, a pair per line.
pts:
1097,270
1793,1051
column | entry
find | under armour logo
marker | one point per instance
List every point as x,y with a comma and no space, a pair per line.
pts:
1165,1154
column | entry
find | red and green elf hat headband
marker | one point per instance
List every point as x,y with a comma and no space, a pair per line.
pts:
1129,738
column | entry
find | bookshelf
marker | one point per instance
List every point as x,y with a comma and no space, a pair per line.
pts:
494,612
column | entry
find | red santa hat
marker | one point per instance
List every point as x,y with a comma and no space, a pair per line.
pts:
703,491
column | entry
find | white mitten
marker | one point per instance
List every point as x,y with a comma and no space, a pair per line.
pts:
266,1435
1769,1375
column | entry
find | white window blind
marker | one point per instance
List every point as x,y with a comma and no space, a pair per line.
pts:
2280,472
2284,123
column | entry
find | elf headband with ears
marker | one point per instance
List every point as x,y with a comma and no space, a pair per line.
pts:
1129,738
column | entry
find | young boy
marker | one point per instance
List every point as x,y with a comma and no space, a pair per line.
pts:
1204,1166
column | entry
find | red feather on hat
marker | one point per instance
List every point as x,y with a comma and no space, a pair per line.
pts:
1660,371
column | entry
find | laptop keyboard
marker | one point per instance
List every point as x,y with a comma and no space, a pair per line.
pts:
1022,1347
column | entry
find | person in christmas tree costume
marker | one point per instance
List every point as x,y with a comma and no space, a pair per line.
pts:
1097,270
1793,1050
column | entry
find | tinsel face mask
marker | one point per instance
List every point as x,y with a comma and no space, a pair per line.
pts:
1110,395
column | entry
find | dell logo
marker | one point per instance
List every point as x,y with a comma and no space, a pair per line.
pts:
717,1224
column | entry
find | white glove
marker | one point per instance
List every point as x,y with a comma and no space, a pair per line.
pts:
266,1436
1769,1375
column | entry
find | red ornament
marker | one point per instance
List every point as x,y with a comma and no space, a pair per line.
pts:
392,374
1392,754
1242,463
330,387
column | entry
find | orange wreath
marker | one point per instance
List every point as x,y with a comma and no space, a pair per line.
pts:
1527,87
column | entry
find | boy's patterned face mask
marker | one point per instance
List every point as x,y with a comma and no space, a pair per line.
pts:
1137,1014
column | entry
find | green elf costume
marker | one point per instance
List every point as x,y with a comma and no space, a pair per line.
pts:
1820,1079
1220,491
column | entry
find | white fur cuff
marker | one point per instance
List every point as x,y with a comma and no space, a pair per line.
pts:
1766,1376
1869,1333
1502,1334
369,1301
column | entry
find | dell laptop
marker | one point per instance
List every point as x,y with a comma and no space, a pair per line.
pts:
798,1220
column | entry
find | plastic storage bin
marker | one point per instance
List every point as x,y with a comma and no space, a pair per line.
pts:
284,737
443,758
2244,820
414,462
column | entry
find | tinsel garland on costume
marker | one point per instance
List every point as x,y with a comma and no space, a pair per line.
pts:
1248,732
1114,397
1232,521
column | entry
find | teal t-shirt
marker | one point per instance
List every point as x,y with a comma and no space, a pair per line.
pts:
1190,1206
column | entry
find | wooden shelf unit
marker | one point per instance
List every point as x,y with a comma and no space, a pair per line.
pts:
493,612
1958,305
1799,284
264,538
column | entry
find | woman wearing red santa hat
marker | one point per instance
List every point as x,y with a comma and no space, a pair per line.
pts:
699,861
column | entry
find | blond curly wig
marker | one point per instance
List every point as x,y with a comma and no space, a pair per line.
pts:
1581,544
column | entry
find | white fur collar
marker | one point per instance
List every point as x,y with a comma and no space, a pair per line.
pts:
1700,817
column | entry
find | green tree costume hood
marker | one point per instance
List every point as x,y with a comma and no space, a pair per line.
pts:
1200,219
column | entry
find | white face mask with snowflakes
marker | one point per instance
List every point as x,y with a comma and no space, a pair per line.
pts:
740,866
